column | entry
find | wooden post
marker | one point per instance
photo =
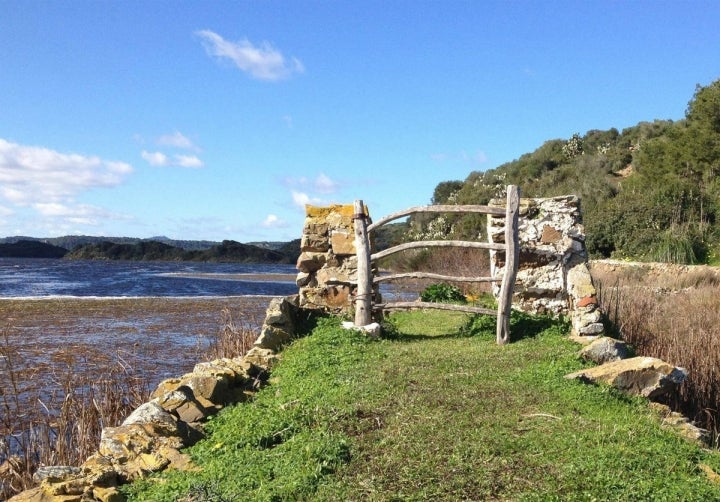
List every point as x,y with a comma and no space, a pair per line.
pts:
512,262
363,295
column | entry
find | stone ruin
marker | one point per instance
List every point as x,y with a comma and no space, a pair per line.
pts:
553,277
327,277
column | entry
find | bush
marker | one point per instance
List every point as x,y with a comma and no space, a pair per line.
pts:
442,293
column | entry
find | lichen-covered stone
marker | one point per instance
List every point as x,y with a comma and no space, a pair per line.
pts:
642,376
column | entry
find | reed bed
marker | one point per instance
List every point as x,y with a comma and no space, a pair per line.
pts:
70,367
672,313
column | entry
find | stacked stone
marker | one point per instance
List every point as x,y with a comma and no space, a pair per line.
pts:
553,261
327,264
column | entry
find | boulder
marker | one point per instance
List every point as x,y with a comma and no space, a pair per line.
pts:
640,376
604,350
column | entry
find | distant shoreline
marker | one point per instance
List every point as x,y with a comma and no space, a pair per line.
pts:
271,277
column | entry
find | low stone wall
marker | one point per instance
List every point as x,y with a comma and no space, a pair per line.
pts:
327,264
553,276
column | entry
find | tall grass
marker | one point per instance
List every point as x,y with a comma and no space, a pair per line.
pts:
670,313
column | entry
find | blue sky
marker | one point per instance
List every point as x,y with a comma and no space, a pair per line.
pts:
220,120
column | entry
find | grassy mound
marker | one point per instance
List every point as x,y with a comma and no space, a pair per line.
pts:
437,411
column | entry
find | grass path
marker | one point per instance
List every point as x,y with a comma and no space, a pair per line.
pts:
437,412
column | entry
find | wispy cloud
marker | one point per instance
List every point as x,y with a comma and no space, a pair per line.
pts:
177,140
262,62
324,184
159,159
155,158
273,221
31,174
190,161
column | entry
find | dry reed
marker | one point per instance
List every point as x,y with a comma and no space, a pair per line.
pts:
671,313
53,409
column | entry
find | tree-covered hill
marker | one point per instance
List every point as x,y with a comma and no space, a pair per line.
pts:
226,251
649,192
31,249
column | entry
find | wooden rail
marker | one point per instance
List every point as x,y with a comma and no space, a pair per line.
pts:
363,302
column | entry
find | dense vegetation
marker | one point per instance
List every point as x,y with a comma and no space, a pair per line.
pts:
649,192
438,411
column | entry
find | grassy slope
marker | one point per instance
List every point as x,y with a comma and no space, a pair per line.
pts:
431,414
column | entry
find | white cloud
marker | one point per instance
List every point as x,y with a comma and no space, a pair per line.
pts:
177,140
159,159
262,62
155,158
79,214
190,161
29,174
272,221
5,211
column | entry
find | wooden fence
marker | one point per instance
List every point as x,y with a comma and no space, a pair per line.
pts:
363,301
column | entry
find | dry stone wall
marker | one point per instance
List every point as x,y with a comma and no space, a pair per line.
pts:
327,277
553,276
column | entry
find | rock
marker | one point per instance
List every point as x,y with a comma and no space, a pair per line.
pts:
279,326
682,425
373,330
310,262
342,242
111,494
263,358
153,414
592,329
640,376
55,473
604,350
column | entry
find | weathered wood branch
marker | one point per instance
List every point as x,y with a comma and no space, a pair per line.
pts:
428,275
363,300
435,306
437,209
424,244
512,263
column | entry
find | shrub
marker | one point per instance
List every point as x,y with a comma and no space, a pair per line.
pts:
442,293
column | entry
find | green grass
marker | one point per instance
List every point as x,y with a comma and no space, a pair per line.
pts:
437,411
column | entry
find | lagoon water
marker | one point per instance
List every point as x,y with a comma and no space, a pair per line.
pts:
32,278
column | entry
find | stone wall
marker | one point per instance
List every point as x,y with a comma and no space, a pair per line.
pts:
327,264
553,276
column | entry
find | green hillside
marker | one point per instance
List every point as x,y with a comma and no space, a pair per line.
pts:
649,192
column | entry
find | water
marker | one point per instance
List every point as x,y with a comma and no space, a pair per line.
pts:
32,278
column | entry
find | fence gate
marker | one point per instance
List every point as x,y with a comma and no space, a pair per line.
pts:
363,302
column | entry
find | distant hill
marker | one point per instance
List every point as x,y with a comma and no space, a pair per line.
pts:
31,249
226,251
73,241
